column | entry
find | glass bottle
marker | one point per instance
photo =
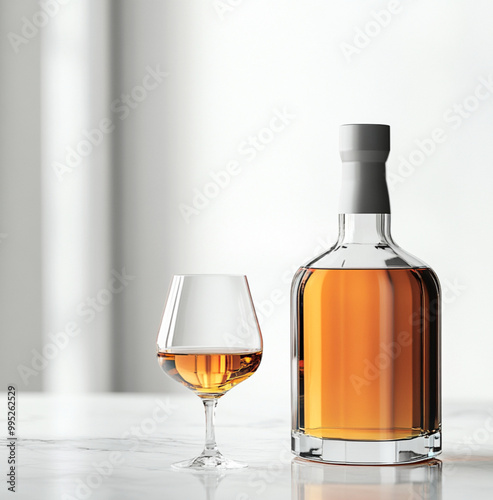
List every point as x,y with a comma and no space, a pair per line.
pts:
365,318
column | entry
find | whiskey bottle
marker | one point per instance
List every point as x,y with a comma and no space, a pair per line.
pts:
365,319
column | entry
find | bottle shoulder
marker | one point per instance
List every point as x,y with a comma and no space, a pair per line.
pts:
366,256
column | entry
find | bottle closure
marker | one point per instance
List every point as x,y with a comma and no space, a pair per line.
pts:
364,149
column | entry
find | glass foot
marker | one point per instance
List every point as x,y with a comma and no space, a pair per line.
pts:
209,462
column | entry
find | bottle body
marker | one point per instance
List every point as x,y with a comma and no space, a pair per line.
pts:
365,321
366,351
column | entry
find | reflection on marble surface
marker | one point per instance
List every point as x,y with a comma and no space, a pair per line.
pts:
312,481
120,446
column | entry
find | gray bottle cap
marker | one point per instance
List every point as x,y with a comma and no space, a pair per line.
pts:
364,149
364,142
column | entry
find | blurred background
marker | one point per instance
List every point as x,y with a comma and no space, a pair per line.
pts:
144,139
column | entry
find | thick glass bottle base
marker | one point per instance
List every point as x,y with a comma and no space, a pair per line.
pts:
340,451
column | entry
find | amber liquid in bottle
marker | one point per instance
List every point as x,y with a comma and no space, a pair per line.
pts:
368,358
209,373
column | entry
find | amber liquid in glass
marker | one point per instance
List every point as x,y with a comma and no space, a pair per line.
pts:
209,373
368,361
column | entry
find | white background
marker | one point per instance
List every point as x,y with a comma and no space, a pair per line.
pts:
227,76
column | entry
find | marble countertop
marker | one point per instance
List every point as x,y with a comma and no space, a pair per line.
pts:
120,446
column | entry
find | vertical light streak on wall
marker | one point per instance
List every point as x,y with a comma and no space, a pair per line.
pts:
76,204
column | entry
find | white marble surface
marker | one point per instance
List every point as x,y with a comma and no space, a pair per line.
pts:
120,446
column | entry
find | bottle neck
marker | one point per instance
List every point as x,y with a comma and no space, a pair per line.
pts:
371,229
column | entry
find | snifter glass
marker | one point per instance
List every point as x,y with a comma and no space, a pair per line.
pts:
209,341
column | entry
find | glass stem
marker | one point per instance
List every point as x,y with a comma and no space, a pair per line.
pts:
210,437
